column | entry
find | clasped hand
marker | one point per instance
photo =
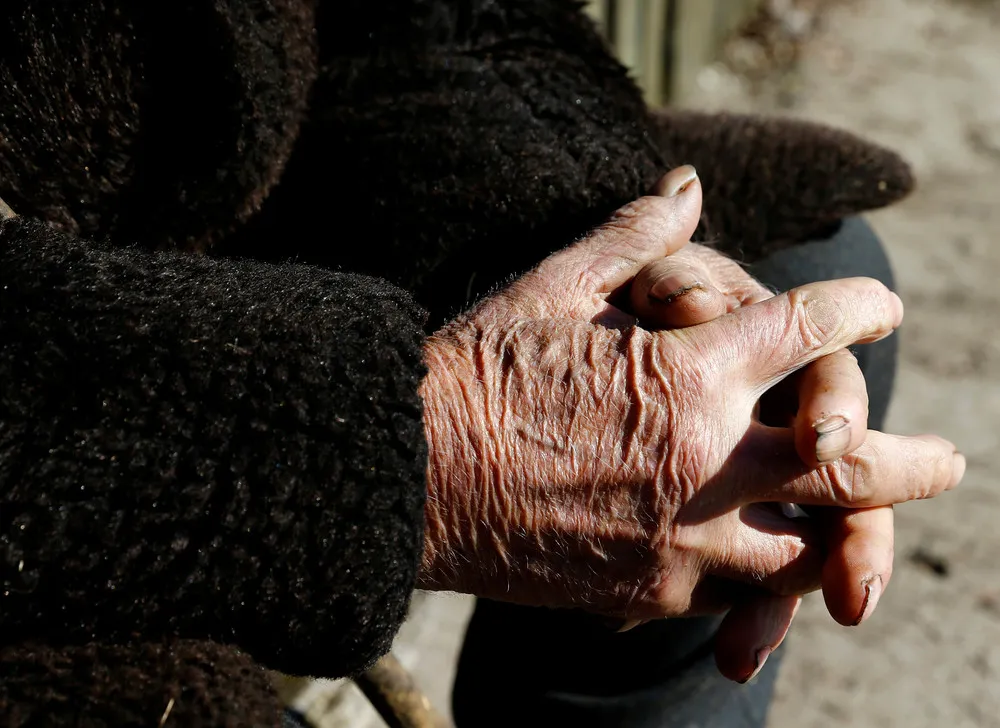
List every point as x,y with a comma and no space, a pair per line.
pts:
577,459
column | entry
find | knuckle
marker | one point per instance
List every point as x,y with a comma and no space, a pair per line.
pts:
850,480
641,216
817,318
672,595
669,585
687,544
583,283
791,550
784,553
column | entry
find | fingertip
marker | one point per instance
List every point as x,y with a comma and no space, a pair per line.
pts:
848,598
843,597
833,439
959,465
900,308
676,182
859,565
947,455
873,592
750,633
630,624
760,659
638,233
678,195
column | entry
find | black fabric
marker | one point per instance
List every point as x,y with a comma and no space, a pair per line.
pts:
471,139
475,138
206,449
163,123
771,183
134,685
568,668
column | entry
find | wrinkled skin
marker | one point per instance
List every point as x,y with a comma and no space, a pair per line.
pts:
577,460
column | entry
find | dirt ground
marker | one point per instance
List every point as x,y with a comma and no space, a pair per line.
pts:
922,77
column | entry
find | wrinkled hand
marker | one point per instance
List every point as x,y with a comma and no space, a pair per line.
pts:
827,405
579,461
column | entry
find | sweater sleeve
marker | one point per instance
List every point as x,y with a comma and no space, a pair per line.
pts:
202,448
134,685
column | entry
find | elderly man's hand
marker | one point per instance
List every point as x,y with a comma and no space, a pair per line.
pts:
579,461
697,285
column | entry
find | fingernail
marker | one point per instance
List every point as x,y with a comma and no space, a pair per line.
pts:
873,590
957,469
671,287
676,181
762,655
833,435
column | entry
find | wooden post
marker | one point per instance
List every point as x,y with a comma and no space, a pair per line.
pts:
5,212
628,37
662,57
396,697
598,10
655,30
694,32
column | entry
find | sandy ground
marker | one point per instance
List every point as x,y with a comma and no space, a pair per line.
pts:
922,77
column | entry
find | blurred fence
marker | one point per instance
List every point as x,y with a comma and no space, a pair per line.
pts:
667,42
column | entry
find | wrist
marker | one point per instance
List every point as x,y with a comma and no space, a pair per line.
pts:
510,508
446,391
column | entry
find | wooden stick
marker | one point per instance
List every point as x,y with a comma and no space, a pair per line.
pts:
396,697
5,212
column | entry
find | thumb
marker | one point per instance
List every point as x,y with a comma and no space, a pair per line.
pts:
642,231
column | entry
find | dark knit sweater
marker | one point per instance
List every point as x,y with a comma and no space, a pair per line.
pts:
206,448
206,456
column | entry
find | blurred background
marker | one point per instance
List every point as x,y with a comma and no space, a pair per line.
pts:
923,78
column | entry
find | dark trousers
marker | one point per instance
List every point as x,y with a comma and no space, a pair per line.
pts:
523,666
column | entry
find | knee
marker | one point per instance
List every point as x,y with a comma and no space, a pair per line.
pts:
852,249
